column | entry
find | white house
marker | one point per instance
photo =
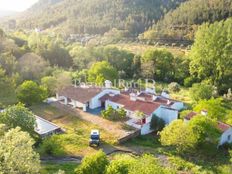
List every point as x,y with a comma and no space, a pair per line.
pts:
147,102
226,130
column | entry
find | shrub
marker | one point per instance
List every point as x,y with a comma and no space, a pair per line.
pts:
93,164
174,87
188,82
112,114
52,146
200,91
157,123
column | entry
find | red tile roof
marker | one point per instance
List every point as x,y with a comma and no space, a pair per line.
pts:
190,115
223,126
146,107
80,94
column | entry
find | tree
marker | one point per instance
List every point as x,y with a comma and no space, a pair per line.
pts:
9,63
201,91
211,54
93,164
157,123
147,164
179,135
174,87
101,71
214,108
31,66
18,116
159,64
204,128
16,153
50,83
30,93
113,114
120,165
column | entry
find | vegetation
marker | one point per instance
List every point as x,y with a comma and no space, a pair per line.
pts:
30,93
94,164
96,17
182,22
211,54
18,116
113,114
201,91
157,123
22,159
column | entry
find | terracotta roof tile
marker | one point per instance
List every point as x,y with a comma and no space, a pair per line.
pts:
146,107
80,94
190,115
223,126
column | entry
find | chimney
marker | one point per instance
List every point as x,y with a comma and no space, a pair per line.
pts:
154,97
133,97
108,84
168,102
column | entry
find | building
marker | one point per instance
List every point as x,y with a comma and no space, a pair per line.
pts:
225,129
146,102
45,128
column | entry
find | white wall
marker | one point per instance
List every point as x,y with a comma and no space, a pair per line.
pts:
178,105
168,115
96,103
226,137
112,104
146,129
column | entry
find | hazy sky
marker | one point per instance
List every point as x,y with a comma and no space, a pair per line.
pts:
16,5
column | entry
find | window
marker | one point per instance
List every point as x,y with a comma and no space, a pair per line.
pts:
229,137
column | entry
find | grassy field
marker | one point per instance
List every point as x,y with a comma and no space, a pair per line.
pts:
140,48
76,137
51,168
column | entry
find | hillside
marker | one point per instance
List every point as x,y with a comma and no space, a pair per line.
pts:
182,22
95,17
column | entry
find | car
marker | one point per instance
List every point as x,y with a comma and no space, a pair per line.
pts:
94,138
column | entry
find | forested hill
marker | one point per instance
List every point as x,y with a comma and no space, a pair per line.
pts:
96,16
183,21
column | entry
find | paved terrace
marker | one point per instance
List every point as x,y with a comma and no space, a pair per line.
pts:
113,127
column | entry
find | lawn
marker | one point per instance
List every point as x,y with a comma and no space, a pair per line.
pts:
76,137
51,168
141,48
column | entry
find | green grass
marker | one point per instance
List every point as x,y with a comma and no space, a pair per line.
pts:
75,140
141,48
51,168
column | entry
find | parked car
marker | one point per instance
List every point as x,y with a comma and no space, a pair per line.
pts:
94,138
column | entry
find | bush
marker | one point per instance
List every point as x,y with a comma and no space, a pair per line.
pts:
201,91
113,114
30,93
157,123
188,82
174,87
93,164
52,146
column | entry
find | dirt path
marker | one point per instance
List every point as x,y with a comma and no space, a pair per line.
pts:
113,127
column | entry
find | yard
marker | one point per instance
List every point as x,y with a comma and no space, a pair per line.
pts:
76,138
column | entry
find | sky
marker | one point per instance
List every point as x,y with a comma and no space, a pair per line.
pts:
16,5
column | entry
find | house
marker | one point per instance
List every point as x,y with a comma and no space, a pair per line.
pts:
45,128
84,97
225,129
146,102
